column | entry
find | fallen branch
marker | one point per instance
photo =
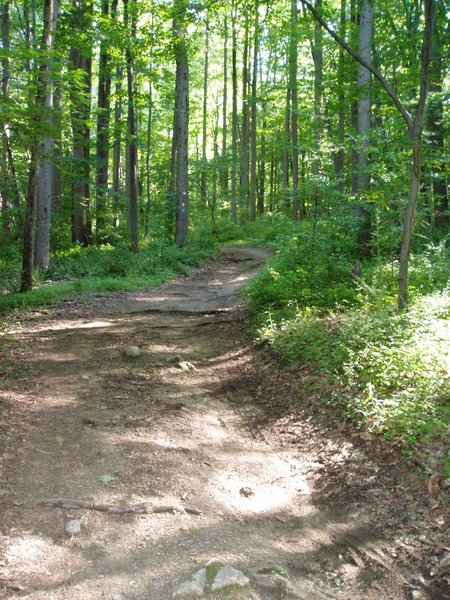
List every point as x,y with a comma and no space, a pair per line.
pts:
142,508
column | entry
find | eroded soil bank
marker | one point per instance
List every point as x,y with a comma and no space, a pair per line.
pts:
200,448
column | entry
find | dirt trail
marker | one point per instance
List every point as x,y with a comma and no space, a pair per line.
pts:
228,459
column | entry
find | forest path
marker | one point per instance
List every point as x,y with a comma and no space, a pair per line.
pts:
229,459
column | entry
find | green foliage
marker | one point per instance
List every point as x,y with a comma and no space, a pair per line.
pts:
392,369
106,269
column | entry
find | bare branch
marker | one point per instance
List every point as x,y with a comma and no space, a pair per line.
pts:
388,89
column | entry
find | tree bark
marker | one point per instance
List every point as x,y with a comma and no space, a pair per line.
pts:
234,117
245,154
293,58
340,160
131,168
287,149
147,160
182,123
33,177
364,126
5,175
116,183
203,180
224,169
318,83
253,156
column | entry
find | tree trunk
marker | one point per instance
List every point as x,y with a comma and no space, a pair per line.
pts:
116,184
254,158
287,150
203,180
5,176
224,169
103,118
33,177
182,123
293,57
57,188
318,82
171,195
435,122
354,106
245,154
80,109
147,160
45,191
340,161
131,166
234,118
364,125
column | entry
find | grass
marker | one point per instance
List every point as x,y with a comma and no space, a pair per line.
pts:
101,269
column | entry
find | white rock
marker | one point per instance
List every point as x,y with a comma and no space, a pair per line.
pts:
417,595
132,351
193,588
74,526
226,576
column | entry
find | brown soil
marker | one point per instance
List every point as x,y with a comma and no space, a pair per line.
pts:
205,447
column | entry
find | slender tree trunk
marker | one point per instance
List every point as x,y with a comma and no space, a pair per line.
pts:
103,119
287,150
147,160
364,125
203,180
416,136
80,108
340,162
224,170
435,126
293,58
57,154
5,176
318,82
182,123
45,191
116,184
234,118
354,105
245,154
171,195
253,155
33,177
131,176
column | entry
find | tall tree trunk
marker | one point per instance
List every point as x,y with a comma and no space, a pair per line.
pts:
203,181
234,117
318,82
287,150
131,166
293,57
182,122
340,162
171,195
117,153
224,169
364,125
45,191
36,141
80,108
57,154
435,122
103,118
354,18
254,158
5,176
245,154
147,159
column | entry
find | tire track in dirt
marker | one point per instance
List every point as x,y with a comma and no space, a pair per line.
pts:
186,430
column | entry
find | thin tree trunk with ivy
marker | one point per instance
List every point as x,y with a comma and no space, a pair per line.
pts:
293,59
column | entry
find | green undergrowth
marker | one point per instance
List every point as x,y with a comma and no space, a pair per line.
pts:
101,269
390,369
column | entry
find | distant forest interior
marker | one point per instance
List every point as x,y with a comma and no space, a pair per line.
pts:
139,136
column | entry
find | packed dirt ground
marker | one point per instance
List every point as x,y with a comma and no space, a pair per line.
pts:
122,475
